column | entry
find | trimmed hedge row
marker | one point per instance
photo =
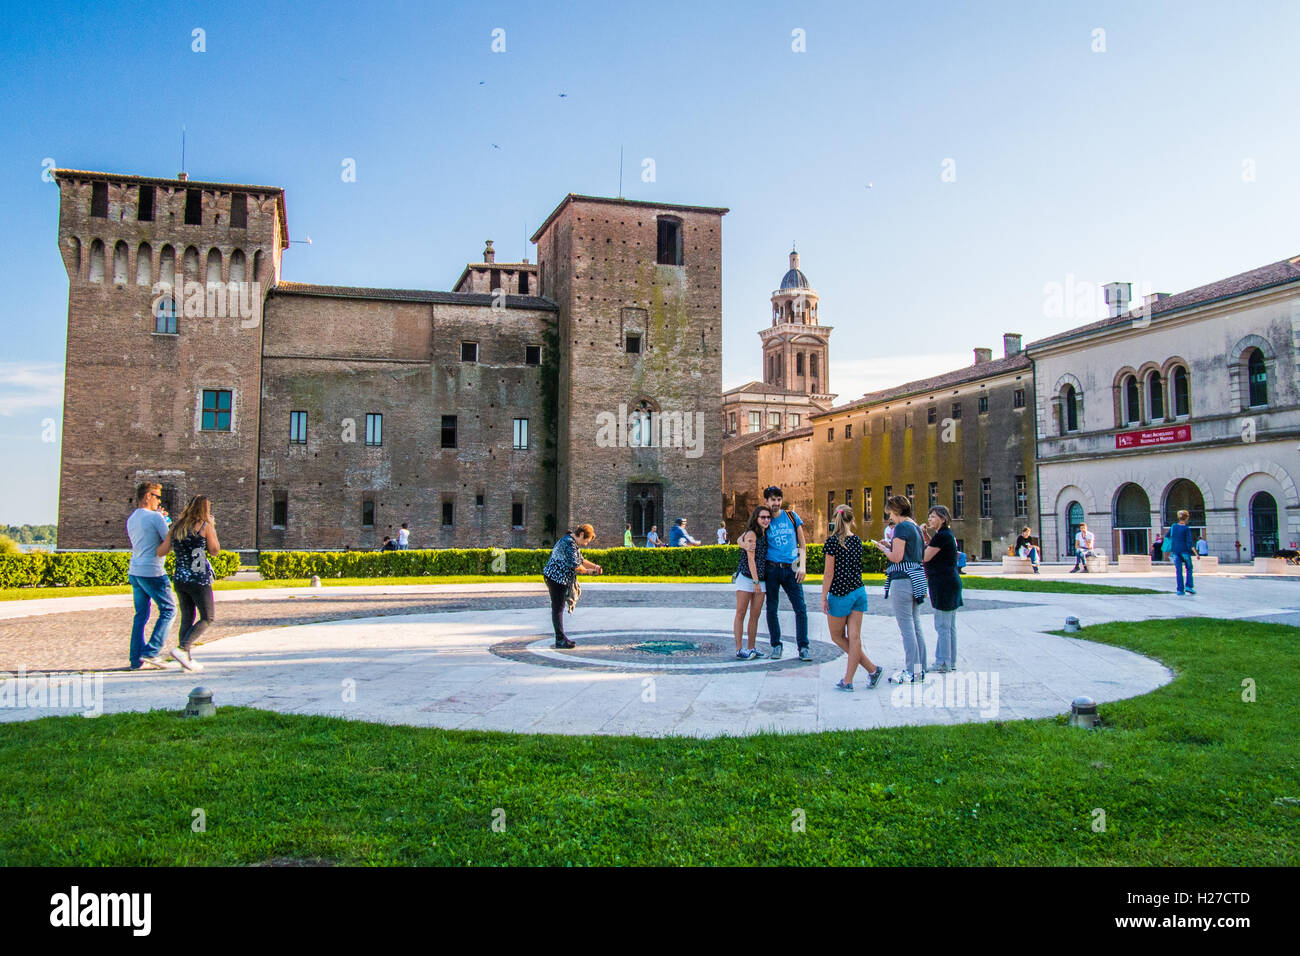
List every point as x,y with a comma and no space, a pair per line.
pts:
86,569
705,561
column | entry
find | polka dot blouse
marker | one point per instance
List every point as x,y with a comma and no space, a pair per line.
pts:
848,563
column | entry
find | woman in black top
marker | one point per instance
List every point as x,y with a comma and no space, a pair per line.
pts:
751,568
844,599
194,536
945,586
1026,548
565,564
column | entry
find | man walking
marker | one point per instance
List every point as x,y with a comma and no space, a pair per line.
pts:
678,537
149,582
1180,550
787,550
627,537
722,532
1083,542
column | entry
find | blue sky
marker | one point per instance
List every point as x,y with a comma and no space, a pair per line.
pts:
1168,159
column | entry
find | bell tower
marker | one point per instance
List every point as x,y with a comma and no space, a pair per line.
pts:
796,348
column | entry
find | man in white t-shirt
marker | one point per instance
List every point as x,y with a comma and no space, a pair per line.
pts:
149,582
1083,542
722,533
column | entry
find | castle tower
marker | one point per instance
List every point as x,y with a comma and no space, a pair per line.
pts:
166,283
639,289
796,347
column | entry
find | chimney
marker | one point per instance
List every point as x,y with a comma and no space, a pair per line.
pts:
489,255
182,176
1152,298
1010,344
1117,297
983,355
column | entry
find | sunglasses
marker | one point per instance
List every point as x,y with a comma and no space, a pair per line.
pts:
764,517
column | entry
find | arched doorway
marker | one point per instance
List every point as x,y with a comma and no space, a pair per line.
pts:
1263,525
1073,518
1183,495
1133,520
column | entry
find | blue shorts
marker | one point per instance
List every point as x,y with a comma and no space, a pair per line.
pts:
844,606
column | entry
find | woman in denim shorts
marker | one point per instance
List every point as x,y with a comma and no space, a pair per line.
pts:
844,599
752,568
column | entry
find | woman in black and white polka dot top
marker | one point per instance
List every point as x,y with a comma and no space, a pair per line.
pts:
844,599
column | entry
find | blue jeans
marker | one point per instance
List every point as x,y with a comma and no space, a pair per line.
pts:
159,591
779,577
1179,561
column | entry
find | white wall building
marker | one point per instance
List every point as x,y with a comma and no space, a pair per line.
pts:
1191,402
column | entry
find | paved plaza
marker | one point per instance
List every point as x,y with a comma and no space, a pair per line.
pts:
652,659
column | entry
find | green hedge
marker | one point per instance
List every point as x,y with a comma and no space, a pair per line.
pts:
706,561
86,569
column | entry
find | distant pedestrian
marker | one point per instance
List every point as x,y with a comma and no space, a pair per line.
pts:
679,537
844,598
404,538
1158,548
149,582
652,539
748,579
940,559
389,544
722,533
787,556
905,585
561,572
1083,542
1025,546
1202,547
1181,551
193,536
627,537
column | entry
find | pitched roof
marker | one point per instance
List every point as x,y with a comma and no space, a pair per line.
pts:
1256,280
804,432
620,202
961,376
760,387
413,295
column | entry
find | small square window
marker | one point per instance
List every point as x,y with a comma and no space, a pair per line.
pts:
830,433
956,411
478,500
634,345
216,410
931,415
469,351
1018,398
984,404
374,429
532,355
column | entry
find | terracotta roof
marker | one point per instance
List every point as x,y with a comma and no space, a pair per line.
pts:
503,266
736,442
962,376
620,202
1265,277
803,432
413,295
760,387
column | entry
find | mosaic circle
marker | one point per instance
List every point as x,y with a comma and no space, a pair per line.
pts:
677,652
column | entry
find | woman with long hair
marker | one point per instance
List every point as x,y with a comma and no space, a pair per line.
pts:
844,599
561,572
905,586
940,560
193,536
751,569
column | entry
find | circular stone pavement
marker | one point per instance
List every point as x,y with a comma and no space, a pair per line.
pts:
676,652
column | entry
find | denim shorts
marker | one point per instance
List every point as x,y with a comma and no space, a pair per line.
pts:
745,584
844,606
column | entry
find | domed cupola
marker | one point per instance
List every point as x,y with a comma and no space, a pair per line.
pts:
794,279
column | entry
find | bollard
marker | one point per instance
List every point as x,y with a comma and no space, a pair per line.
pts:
200,703
1071,625
1083,713
315,580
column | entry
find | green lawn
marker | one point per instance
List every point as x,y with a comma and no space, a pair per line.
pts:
969,582
1188,775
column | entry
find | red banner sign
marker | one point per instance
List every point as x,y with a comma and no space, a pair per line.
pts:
1154,436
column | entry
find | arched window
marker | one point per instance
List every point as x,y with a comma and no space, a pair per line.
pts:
144,265
1258,376
167,266
812,365
1132,401
97,261
1183,495
75,245
237,266
798,363
191,264
1182,393
119,263
257,266
1073,519
164,314
214,267
640,425
1155,396
1133,519
1263,525
1069,421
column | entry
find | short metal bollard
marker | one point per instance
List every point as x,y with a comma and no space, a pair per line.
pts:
200,704
315,580
1071,625
1083,713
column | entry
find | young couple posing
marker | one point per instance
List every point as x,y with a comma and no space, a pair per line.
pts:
773,552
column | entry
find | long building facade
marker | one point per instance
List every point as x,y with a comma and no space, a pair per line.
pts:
584,388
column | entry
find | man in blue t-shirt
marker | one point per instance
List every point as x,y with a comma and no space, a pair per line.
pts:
149,582
787,550
678,538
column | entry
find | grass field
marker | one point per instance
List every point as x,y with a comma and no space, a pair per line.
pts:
1190,774
969,582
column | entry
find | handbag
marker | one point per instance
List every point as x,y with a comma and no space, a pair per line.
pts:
1168,545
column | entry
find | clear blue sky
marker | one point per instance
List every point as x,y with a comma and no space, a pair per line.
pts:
1125,164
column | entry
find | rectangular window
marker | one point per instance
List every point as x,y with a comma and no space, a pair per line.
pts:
848,430
956,411
193,207
521,434
755,421
773,419
448,514
469,351
448,431
958,499
961,545
633,345
889,493
216,410
297,428
239,210
532,355
517,513
911,495
984,405
478,500
670,243
99,200
144,207
907,419
731,423
523,282
934,493
986,498
848,497
367,514
494,280
374,429
794,421
866,504
830,505
931,415
986,550
280,509
1018,398
1022,496
830,433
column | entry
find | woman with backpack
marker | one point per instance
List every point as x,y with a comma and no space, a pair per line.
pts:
193,536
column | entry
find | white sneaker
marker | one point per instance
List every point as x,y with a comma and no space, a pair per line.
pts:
153,662
902,677
186,660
